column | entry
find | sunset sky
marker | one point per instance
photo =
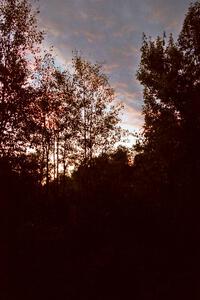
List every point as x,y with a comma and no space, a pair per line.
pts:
110,32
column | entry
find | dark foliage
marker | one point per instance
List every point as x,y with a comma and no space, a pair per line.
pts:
112,229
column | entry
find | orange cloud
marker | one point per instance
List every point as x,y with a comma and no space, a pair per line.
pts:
89,35
124,30
110,67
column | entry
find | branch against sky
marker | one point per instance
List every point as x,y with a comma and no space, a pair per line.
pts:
111,32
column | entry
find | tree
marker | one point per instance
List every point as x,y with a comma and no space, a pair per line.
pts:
19,39
45,115
65,123
98,128
63,117
169,72
189,45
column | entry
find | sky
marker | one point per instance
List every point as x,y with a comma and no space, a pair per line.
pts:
110,32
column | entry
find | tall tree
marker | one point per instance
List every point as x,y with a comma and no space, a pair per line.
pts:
19,38
98,114
67,121
170,72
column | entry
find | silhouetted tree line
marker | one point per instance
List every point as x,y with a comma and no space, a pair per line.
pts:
125,223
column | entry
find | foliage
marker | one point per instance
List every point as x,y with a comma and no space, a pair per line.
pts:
169,72
19,39
98,117
63,117
112,229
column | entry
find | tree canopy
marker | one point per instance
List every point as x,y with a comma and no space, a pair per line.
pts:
169,72
117,226
63,117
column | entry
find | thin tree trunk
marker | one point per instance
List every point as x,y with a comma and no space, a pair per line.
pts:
47,169
54,158
57,163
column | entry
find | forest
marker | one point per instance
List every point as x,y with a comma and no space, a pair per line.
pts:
83,218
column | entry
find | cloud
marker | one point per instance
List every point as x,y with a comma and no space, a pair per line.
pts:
110,31
132,121
109,68
91,37
125,30
167,15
